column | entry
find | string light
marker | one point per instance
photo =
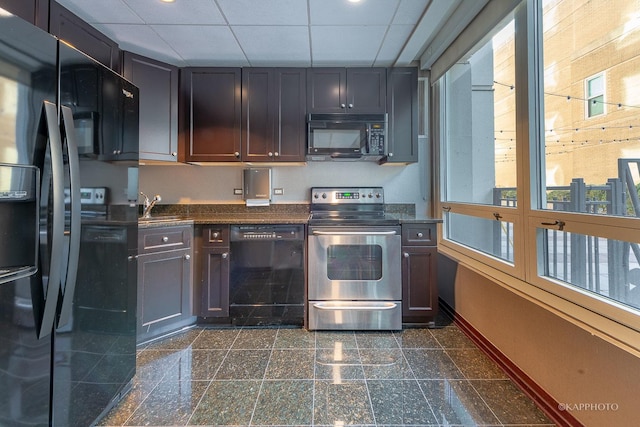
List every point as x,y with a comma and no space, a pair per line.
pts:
569,97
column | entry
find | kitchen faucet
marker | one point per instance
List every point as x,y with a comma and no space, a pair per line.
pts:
149,204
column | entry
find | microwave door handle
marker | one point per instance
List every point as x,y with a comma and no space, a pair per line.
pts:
74,243
366,139
57,239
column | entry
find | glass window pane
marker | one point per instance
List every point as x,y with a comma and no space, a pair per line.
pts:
596,86
596,106
606,267
489,236
591,104
479,161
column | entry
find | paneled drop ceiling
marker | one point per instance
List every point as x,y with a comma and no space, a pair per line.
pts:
300,33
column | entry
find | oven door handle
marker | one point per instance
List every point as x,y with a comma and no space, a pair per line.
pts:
354,233
374,306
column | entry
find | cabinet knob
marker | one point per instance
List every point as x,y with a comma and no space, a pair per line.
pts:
224,255
165,239
187,257
276,154
132,257
405,254
237,154
215,235
350,105
420,235
174,154
342,106
270,154
390,154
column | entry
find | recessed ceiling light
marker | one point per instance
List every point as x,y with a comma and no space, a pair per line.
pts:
167,1
354,1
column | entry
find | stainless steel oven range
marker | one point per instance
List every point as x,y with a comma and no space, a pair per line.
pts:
354,263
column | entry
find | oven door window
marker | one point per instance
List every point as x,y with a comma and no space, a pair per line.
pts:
354,262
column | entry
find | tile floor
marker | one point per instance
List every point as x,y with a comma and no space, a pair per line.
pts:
293,377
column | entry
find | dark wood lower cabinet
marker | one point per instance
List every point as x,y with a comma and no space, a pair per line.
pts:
212,280
419,275
164,281
215,289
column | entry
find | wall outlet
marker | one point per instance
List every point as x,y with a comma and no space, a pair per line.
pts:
278,191
237,191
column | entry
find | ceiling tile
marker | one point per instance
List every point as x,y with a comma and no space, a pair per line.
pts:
141,39
342,12
395,39
265,12
193,12
410,12
347,45
275,46
215,46
102,11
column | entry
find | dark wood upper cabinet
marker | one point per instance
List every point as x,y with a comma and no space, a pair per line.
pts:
402,109
33,11
210,111
158,85
73,30
346,90
273,114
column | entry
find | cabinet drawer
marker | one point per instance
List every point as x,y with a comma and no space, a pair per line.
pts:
164,239
215,235
419,234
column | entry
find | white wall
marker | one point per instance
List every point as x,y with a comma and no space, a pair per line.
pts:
191,184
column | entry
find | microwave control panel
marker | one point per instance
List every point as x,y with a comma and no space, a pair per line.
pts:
376,139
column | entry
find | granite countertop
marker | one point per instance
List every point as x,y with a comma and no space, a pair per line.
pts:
171,215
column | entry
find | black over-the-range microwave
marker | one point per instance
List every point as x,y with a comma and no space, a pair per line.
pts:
346,136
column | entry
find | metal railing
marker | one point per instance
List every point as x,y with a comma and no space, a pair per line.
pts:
576,258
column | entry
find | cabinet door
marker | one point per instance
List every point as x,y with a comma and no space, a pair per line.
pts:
326,90
210,122
70,28
258,114
366,90
163,292
291,123
419,288
215,282
158,85
402,107
33,11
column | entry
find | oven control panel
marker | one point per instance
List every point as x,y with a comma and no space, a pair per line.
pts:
344,195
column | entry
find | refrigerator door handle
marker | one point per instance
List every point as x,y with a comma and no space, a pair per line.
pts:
69,279
57,239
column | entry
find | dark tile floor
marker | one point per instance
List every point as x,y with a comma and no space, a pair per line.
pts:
293,377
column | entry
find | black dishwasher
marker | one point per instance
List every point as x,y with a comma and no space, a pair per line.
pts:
267,274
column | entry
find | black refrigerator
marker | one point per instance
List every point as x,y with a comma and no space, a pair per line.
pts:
68,231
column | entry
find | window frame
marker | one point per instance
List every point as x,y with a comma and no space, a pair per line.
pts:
589,97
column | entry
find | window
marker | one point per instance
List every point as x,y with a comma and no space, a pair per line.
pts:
479,145
591,168
539,155
594,88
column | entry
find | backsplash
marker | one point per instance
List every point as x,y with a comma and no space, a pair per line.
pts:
195,184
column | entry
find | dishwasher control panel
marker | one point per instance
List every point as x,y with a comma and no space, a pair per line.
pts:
266,232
